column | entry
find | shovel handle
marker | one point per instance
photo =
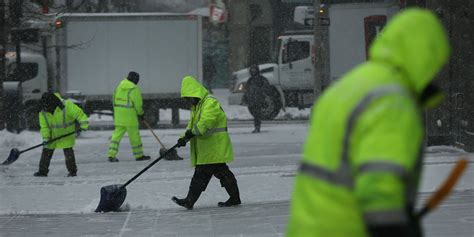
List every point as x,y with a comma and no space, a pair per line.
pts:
149,127
445,188
50,141
150,165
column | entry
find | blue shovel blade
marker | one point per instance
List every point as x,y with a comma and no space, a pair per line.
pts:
111,198
14,154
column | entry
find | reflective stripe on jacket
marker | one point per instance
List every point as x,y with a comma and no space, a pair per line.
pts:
61,122
208,122
127,101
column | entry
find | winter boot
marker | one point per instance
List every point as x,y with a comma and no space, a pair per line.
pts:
142,158
39,174
184,202
256,130
72,174
233,191
189,201
113,159
230,202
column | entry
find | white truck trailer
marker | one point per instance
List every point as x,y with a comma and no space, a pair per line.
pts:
351,28
88,54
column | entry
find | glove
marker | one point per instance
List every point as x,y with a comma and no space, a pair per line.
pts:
181,142
188,135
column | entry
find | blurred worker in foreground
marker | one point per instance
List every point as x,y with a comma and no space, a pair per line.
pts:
59,117
211,147
363,154
128,111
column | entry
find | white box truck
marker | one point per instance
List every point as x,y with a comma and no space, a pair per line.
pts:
352,26
87,56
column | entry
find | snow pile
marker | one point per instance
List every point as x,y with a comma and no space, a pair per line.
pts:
23,140
444,149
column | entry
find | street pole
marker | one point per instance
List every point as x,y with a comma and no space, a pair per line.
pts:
17,4
318,31
2,61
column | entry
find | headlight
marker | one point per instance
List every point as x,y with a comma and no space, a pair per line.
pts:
241,87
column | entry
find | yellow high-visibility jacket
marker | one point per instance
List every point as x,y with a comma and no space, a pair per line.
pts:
362,156
208,122
61,122
128,104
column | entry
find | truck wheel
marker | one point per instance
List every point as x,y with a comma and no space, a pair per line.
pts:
270,107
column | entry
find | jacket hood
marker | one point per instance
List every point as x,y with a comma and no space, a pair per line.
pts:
415,42
190,87
126,84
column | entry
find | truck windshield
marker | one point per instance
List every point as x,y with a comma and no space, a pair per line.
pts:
28,72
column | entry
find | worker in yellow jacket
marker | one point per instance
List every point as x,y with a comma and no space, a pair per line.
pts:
211,147
362,158
58,117
128,111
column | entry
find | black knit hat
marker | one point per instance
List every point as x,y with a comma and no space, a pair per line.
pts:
49,102
133,77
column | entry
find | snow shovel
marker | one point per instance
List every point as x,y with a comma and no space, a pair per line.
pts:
113,196
445,189
173,155
15,153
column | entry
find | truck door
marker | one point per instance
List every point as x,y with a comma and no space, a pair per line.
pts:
31,76
296,69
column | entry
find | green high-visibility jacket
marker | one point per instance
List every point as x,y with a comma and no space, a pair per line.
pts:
208,123
128,104
61,122
362,157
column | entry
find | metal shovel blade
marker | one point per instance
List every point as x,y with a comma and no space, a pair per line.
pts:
111,198
14,154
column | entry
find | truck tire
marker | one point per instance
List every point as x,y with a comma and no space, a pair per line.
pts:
271,106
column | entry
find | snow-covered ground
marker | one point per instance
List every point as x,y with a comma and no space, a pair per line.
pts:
264,165
263,161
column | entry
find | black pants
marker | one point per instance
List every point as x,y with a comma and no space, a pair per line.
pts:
257,122
203,174
47,154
